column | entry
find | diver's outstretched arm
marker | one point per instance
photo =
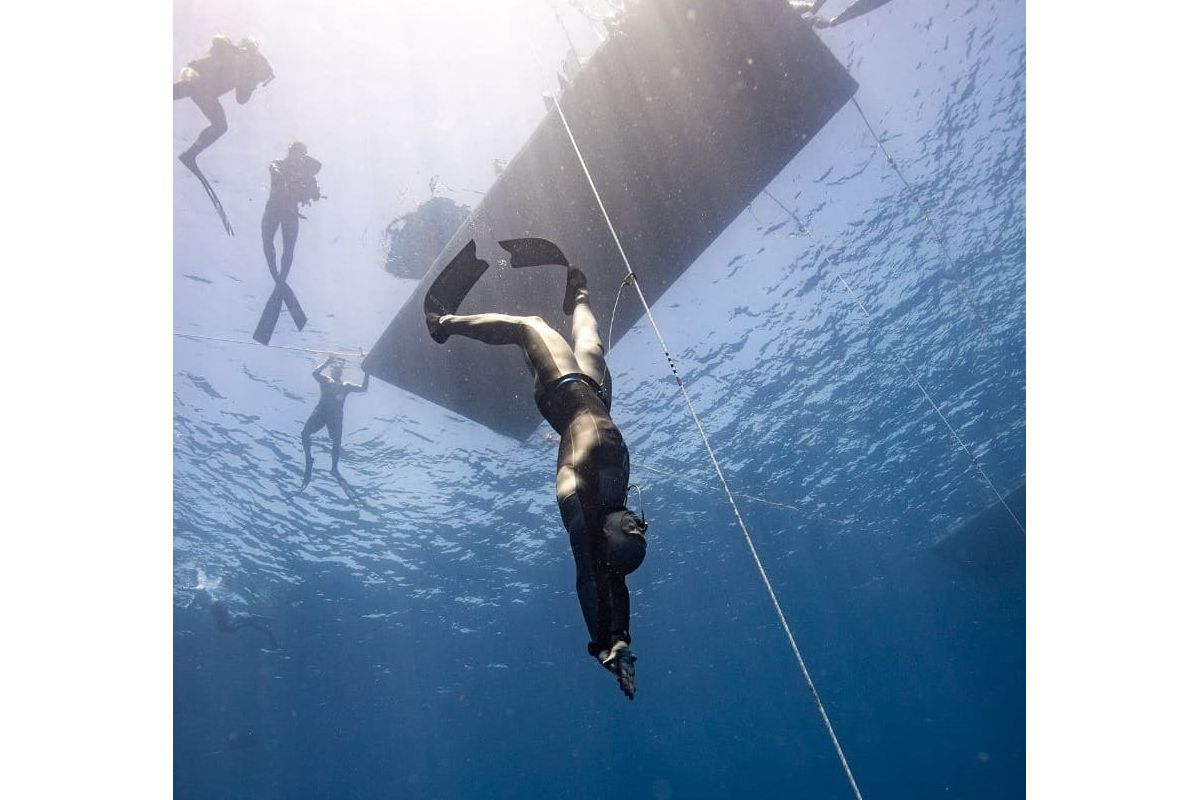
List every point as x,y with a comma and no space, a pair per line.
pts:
316,373
363,387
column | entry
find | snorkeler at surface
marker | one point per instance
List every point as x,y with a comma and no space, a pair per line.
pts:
573,390
293,183
233,621
226,66
328,412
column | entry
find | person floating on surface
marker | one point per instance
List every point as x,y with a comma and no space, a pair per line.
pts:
573,390
293,183
328,413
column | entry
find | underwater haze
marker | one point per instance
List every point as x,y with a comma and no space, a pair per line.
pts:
430,639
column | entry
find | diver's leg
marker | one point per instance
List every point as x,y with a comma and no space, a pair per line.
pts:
335,436
212,110
291,229
548,353
315,422
270,224
486,328
585,334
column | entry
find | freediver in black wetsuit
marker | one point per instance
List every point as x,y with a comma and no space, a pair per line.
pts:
293,183
233,621
573,390
328,412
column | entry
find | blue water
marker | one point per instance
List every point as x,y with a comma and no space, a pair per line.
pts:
432,645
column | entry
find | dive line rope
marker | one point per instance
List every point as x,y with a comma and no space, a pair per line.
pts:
341,353
632,279
912,376
936,234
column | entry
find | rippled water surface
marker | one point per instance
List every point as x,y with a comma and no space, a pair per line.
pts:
432,646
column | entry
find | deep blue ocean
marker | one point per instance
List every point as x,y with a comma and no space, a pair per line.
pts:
431,642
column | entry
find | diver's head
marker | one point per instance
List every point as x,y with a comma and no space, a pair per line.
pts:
297,150
335,368
624,546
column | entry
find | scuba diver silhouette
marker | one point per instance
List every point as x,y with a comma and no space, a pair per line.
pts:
573,391
293,183
233,621
226,66
328,413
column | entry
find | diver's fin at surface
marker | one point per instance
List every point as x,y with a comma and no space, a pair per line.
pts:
293,306
534,252
855,10
450,288
194,168
270,315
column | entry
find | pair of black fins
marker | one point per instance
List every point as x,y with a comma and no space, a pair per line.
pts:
270,315
448,290
282,294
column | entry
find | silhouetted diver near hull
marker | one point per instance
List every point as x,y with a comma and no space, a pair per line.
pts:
293,183
225,67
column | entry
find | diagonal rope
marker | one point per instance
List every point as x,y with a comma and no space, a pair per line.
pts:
632,278
934,232
197,336
912,376
675,476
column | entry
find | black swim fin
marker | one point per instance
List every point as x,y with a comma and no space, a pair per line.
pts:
194,168
534,252
450,288
270,315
